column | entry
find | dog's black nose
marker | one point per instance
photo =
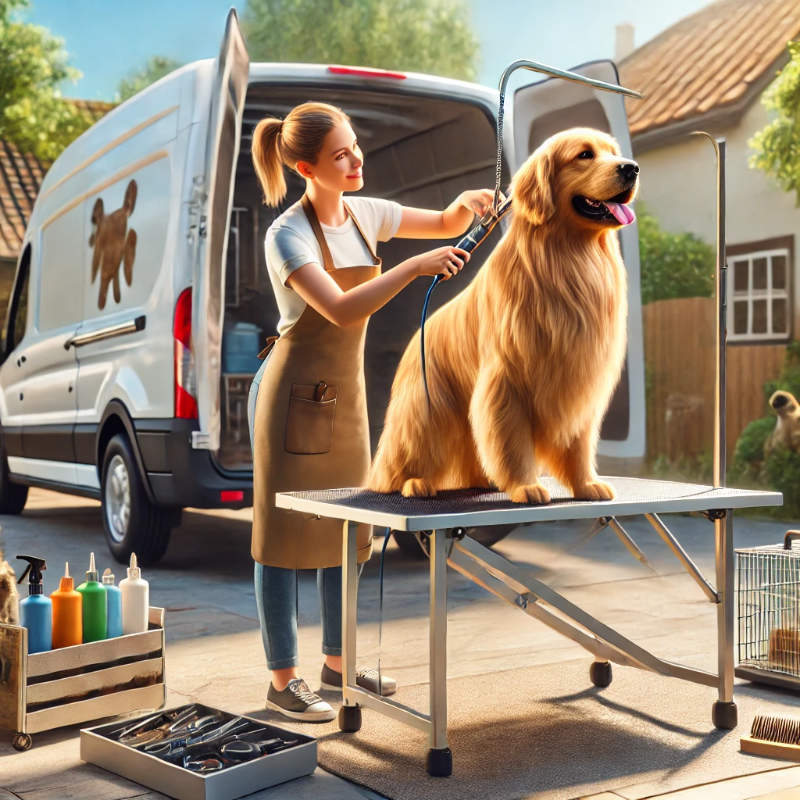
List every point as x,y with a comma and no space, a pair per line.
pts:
780,401
629,170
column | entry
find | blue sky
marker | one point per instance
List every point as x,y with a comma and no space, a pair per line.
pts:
106,39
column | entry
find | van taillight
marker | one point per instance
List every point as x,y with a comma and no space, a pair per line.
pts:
185,382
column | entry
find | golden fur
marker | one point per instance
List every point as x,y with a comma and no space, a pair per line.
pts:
523,362
9,600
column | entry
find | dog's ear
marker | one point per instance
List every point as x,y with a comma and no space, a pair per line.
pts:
97,211
130,198
533,189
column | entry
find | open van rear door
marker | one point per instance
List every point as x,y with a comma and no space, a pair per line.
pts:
222,152
541,109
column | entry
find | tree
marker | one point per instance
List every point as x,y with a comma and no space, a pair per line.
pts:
672,264
419,35
136,80
777,145
33,63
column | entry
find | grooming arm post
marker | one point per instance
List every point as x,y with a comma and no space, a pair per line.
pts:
720,338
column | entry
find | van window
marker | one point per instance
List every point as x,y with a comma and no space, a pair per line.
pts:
17,319
60,300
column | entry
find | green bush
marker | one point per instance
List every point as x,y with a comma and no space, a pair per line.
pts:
782,472
789,379
749,453
672,264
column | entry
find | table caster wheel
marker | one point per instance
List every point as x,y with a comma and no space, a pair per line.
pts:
724,715
600,673
21,742
350,719
439,763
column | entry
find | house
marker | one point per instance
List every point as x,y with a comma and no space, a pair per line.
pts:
709,72
21,174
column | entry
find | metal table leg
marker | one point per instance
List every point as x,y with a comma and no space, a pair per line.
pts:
350,712
439,761
724,712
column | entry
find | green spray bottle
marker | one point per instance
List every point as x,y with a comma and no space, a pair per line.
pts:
94,605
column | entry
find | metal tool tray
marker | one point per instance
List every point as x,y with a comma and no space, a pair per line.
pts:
175,781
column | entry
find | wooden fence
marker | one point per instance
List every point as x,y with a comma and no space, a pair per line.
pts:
680,376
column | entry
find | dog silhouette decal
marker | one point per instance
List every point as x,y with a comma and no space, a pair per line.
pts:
114,245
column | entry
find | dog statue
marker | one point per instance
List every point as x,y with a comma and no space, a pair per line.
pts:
522,363
113,245
787,426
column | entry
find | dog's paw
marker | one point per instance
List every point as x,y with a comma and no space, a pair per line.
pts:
531,493
593,490
418,487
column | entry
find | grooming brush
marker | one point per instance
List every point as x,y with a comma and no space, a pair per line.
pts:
775,737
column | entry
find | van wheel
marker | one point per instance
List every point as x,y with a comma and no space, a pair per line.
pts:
13,496
131,522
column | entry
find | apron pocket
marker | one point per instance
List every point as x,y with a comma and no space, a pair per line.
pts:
309,424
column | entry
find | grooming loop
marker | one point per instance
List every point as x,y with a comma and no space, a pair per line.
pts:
769,613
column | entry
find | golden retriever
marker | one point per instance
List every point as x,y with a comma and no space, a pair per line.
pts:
522,363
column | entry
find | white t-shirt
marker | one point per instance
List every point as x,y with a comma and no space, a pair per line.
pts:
290,243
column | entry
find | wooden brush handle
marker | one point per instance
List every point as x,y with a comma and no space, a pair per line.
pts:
760,747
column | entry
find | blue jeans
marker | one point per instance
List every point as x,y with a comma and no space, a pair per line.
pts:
276,593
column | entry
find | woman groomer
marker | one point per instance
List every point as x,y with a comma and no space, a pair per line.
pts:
309,422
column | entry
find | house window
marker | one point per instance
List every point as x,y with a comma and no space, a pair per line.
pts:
759,298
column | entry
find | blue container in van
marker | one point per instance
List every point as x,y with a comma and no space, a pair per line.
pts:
241,343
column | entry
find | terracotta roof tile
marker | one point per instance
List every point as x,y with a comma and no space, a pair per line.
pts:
95,108
707,60
21,175
20,178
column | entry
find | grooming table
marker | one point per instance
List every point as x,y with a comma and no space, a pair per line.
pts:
444,520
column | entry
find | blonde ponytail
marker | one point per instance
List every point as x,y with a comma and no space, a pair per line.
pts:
267,160
299,137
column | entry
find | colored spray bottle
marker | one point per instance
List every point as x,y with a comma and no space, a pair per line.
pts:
113,604
67,613
94,605
135,599
36,610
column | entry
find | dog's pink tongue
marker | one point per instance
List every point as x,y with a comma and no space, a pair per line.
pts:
622,214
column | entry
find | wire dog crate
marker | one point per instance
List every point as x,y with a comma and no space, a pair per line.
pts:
769,612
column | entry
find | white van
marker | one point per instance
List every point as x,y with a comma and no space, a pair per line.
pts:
141,297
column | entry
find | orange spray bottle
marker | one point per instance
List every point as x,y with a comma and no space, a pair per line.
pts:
67,613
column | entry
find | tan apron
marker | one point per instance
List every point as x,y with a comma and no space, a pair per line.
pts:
311,429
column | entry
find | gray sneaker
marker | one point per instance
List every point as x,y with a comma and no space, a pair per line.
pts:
297,701
366,678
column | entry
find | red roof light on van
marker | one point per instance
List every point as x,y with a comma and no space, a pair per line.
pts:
367,72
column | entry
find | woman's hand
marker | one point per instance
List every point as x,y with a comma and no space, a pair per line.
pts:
445,261
479,201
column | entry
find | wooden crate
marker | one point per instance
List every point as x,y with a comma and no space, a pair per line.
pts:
40,691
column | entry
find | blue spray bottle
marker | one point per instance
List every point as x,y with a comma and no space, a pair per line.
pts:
113,606
36,610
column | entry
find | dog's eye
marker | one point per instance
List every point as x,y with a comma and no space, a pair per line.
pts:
586,154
